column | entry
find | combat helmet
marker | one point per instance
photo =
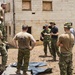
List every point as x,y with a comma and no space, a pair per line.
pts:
68,25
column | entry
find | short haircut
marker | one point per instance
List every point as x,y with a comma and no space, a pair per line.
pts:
3,4
24,27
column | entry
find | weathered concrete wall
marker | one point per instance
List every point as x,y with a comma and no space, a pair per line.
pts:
63,11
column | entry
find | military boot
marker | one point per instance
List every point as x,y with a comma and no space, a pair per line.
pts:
2,68
24,73
18,72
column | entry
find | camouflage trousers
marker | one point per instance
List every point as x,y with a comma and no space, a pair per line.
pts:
65,64
47,43
3,32
1,26
23,58
54,48
3,54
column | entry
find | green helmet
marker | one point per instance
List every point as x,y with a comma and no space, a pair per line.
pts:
68,25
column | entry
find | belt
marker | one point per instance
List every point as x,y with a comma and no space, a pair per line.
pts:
23,48
66,54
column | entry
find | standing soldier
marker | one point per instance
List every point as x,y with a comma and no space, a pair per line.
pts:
24,48
54,36
3,52
45,34
2,13
2,8
72,31
1,17
2,45
66,42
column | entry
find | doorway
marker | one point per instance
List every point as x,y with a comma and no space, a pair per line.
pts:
29,30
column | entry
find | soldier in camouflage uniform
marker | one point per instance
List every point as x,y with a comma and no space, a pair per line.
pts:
2,8
66,42
2,28
24,48
2,45
3,52
45,34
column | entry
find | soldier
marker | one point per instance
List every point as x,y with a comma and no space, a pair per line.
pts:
45,34
66,42
1,17
72,31
3,52
54,36
2,9
24,48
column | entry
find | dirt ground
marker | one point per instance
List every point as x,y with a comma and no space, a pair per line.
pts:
37,56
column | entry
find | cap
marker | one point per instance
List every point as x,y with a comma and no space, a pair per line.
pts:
46,25
52,23
68,25
3,3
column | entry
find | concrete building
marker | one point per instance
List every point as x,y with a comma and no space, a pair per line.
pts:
37,13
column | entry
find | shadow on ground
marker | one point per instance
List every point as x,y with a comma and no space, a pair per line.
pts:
43,56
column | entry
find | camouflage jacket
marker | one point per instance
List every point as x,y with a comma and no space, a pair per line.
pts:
45,33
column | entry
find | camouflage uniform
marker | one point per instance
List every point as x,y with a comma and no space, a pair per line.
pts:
2,23
3,51
46,40
2,26
65,59
1,19
3,47
23,39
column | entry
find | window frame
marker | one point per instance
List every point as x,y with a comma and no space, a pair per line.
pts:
9,30
47,2
29,3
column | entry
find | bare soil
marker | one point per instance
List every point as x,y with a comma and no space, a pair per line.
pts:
37,55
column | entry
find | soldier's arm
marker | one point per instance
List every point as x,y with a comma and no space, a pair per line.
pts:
15,43
46,34
59,42
1,35
2,14
55,34
33,42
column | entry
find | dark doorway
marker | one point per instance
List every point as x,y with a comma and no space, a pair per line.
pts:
29,30
43,27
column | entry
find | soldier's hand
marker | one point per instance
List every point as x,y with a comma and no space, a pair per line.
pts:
51,33
61,45
45,33
30,48
1,18
17,47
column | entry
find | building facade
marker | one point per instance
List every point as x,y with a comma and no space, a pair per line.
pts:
37,13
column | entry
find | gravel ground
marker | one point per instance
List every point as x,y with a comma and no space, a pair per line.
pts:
37,55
